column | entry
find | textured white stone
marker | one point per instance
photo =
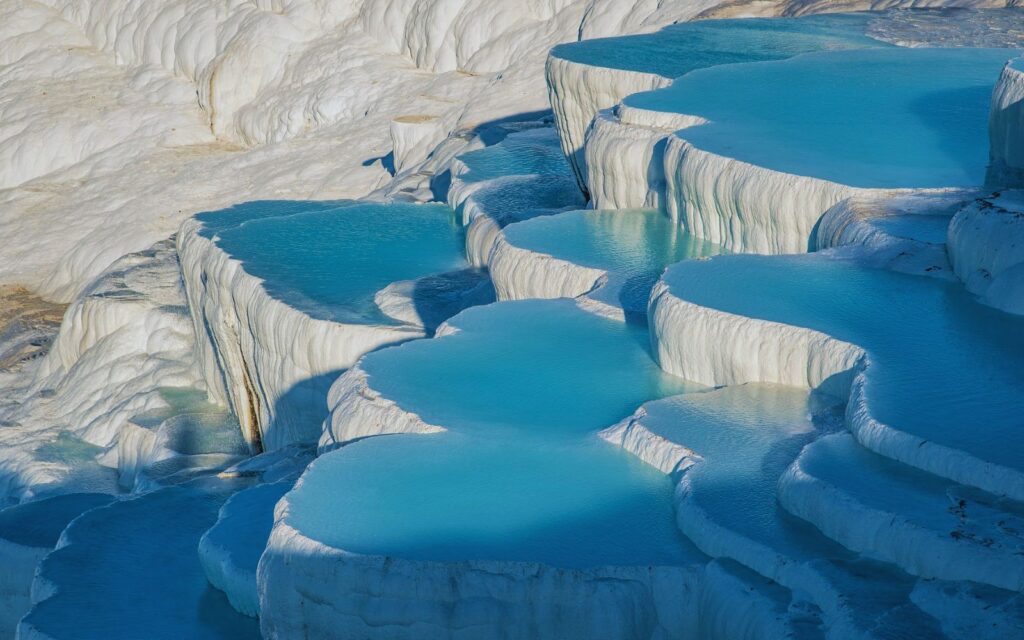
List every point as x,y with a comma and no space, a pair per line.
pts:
810,579
898,538
125,339
413,137
309,588
121,118
919,452
741,206
986,247
579,91
357,411
850,223
266,359
1006,127
715,348
625,151
520,273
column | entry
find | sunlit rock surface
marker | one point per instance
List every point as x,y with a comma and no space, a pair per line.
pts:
125,350
271,100
986,249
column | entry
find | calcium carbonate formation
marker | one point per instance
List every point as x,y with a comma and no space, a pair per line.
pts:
397,320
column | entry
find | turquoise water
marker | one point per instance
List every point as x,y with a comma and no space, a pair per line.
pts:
457,497
530,369
329,259
876,118
944,367
131,571
519,198
520,475
193,434
681,48
634,245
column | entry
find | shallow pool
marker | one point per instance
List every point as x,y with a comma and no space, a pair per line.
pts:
943,367
746,437
681,48
522,388
39,524
872,118
330,259
527,176
634,246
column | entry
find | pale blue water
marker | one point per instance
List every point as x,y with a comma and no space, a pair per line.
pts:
201,433
520,475
520,198
457,497
635,245
867,118
944,367
529,369
746,436
329,259
681,48
131,571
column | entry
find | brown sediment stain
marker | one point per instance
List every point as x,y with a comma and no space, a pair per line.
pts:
252,408
28,325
